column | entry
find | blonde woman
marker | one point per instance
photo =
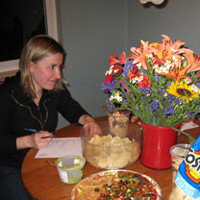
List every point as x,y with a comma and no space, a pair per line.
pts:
32,99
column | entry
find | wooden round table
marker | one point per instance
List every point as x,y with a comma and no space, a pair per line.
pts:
43,183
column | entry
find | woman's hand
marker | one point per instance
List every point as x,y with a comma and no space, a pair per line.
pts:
90,125
37,140
40,139
92,128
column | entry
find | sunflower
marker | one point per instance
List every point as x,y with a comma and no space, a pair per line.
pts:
182,90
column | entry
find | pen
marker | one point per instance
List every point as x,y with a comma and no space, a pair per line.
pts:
35,131
31,130
48,136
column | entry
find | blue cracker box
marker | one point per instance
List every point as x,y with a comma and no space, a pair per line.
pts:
188,175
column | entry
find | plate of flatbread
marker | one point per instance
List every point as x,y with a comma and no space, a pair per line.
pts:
116,184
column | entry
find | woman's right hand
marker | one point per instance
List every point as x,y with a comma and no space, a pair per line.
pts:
37,140
41,139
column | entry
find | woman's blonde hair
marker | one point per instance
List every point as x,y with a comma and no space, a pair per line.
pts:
36,49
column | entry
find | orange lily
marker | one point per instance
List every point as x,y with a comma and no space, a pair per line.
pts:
177,73
193,63
167,49
139,54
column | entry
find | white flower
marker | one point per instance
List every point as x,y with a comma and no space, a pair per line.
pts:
186,81
173,50
133,80
162,69
110,70
155,66
139,65
116,96
168,64
149,55
175,58
195,89
140,78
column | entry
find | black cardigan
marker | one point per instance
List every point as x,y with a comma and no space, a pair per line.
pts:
17,112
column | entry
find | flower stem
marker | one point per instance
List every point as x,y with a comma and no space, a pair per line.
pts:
191,139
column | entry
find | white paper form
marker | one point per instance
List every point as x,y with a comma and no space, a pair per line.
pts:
188,125
59,147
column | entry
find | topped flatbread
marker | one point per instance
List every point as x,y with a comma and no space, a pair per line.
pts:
116,185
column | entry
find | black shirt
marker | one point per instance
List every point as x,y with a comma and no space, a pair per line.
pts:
18,112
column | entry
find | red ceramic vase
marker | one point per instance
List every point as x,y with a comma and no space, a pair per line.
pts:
157,141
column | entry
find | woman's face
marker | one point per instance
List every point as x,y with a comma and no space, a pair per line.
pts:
46,72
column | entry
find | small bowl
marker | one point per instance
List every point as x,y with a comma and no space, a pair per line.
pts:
105,150
70,168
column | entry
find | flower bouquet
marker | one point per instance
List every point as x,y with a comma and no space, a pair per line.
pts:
158,82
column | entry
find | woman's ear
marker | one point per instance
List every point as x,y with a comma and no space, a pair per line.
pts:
31,66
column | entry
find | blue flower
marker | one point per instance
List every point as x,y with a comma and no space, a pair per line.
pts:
157,77
104,86
192,114
127,66
175,100
198,84
154,105
143,97
168,84
111,107
146,90
168,109
108,86
162,92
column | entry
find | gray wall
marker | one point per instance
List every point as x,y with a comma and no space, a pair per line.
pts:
91,30
178,19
